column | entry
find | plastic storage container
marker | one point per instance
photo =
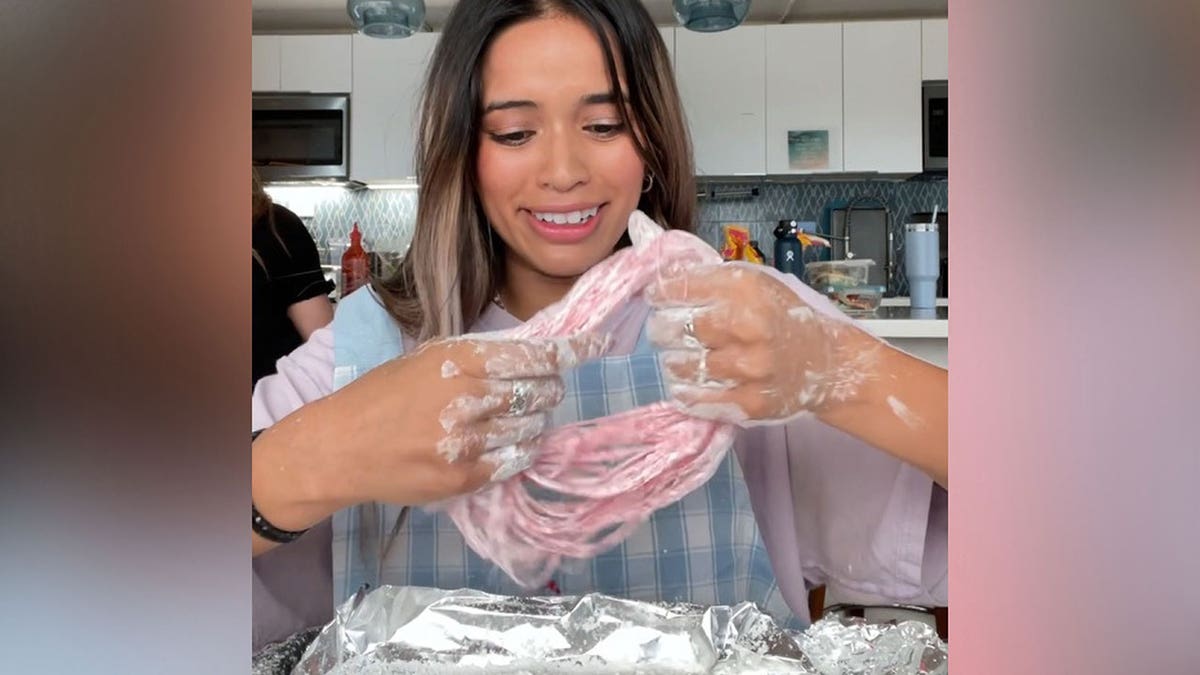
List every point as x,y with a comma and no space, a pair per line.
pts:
832,276
860,300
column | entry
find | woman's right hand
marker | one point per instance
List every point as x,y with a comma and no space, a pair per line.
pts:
440,422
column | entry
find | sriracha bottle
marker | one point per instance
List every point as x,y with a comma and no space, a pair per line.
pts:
355,271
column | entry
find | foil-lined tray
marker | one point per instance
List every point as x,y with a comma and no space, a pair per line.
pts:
394,630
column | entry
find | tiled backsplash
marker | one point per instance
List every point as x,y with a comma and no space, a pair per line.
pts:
387,217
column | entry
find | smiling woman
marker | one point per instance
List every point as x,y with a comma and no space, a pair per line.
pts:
558,169
546,125
571,106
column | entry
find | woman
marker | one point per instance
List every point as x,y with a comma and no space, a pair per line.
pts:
291,294
574,121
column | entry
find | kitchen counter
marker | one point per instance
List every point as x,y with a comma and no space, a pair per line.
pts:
905,322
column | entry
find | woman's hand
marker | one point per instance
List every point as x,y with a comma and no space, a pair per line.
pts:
740,346
443,421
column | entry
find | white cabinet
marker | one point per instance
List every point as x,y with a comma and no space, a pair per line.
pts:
882,96
804,98
935,49
384,105
307,63
722,81
315,63
264,62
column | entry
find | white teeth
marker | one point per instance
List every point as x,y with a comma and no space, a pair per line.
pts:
572,217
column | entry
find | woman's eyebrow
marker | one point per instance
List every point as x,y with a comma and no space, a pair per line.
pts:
603,98
505,105
599,99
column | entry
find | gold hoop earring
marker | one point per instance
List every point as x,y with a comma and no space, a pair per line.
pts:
649,183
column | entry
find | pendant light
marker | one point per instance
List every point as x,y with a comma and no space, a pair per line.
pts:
710,16
387,18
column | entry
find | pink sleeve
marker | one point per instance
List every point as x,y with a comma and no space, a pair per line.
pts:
292,586
834,510
301,377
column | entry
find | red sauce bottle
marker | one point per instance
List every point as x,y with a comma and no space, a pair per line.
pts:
355,271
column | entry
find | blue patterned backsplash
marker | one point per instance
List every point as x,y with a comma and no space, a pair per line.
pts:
387,217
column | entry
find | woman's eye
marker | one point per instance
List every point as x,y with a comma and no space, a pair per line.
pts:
606,130
512,138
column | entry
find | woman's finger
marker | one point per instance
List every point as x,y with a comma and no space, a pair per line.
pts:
737,405
508,461
469,441
523,358
503,398
717,367
687,288
721,324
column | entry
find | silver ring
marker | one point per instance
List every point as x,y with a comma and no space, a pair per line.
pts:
689,328
520,399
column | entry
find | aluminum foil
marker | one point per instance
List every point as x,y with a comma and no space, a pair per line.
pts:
394,630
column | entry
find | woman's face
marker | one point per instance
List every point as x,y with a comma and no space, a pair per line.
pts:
558,173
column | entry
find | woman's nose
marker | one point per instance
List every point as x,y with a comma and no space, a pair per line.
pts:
564,166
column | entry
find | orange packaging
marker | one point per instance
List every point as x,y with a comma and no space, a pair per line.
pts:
739,247
737,241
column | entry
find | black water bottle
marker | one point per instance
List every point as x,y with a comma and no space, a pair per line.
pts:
789,252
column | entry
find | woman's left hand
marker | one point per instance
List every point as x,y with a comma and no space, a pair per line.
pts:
740,346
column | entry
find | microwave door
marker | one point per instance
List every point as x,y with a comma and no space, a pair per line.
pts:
292,140
935,126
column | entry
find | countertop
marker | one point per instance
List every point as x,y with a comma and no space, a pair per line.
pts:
905,322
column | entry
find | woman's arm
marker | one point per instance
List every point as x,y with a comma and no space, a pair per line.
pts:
295,481
311,314
749,345
414,430
901,409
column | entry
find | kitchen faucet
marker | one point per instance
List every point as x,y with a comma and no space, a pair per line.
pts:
890,263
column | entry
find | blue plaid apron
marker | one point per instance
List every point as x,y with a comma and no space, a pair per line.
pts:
704,549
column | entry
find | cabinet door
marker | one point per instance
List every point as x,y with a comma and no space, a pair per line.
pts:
935,49
316,63
804,98
721,80
384,105
882,96
668,36
264,62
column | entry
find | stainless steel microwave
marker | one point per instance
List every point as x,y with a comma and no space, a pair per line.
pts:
301,136
935,111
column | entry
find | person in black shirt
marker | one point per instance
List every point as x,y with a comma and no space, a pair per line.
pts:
291,294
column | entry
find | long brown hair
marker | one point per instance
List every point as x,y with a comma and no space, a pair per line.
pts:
455,264
261,206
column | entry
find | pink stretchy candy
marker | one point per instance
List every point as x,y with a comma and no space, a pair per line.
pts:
593,482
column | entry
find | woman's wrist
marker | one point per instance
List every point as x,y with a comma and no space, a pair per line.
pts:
293,484
900,405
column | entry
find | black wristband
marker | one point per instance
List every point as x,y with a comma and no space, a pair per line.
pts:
263,527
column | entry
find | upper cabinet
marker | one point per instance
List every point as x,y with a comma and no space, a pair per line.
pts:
384,105
722,81
804,98
935,50
881,98
316,63
264,62
301,63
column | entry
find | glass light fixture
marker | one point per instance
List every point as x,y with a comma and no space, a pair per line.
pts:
710,16
387,18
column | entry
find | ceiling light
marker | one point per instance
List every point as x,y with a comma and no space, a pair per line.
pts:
710,16
387,18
